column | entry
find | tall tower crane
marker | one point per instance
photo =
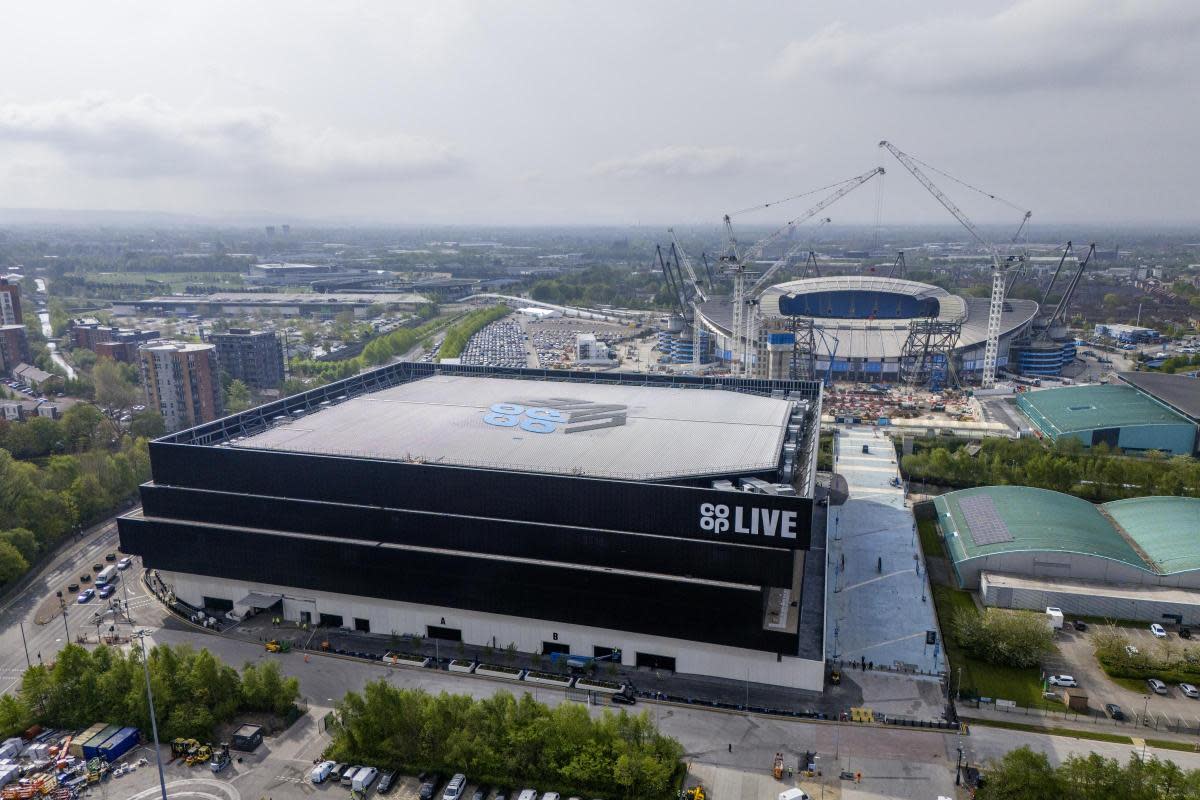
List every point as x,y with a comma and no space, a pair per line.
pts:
744,331
991,348
698,295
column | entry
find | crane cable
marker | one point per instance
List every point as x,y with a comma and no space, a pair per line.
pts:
789,199
972,187
878,210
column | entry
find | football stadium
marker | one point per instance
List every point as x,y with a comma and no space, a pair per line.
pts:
547,510
862,325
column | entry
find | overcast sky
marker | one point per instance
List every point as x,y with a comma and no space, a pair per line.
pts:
603,112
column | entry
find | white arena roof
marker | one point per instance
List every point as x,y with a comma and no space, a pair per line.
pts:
598,430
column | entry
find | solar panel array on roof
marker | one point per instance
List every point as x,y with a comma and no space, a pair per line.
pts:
983,521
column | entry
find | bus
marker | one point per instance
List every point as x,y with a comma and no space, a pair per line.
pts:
107,575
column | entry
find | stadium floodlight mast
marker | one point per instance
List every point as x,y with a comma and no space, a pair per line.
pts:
162,781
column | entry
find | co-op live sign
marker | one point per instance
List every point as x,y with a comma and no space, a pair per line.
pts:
751,521
555,414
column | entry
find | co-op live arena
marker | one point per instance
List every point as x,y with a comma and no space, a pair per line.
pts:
554,511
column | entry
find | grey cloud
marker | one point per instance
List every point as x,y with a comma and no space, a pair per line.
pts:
685,161
1032,45
145,138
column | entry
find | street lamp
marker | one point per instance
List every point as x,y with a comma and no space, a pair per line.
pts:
162,781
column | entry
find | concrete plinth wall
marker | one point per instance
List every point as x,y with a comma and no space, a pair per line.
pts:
482,629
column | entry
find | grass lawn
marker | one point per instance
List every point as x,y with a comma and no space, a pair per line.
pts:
931,539
1167,744
1022,686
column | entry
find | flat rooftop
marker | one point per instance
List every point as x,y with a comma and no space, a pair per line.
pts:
1081,408
597,430
1180,392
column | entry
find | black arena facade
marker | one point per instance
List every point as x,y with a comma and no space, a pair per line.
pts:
555,511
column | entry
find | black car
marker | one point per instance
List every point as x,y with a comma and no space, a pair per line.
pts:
97,567
1080,625
623,699
85,578
335,774
110,557
429,785
1185,633
481,793
1114,711
387,779
72,587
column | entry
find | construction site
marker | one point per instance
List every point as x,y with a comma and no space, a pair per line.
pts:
872,327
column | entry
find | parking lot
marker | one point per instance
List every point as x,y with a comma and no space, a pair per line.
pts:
1141,707
500,344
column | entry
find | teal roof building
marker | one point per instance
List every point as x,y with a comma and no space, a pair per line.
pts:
1036,533
1118,415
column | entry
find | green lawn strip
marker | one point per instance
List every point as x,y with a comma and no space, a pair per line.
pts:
1132,684
931,539
1096,736
1022,686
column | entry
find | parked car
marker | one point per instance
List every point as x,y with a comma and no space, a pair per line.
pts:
482,792
1185,633
528,794
1158,630
621,699
1065,681
85,578
107,590
1130,650
125,563
1189,690
429,785
86,595
387,779
455,788
97,567
503,794
110,557
1079,625
72,587
556,795
321,771
1114,711
1156,686
348,775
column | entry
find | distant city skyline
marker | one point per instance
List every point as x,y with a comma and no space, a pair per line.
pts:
614,114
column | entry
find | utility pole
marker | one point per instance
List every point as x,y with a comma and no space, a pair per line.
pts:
63,605
28,663
162,781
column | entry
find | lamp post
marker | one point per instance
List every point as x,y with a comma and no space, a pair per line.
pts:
162,781
28,663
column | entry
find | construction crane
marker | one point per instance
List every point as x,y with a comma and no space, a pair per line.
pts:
1066,298
744,330
991,348
698,295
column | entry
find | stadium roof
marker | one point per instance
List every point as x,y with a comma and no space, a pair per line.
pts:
1081,408
599,430
1180,392
1156,534
884,338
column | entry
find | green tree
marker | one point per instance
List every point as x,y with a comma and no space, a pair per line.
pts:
113,387
1004,637
237,397
12,563
1022,775
25,542
147,424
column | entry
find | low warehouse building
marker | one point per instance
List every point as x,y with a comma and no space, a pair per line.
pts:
1115,415
1032,548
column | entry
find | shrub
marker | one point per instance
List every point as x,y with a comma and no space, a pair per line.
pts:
1003,637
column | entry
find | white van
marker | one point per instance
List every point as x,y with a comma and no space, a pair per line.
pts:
365,777
528,794
321,771
455,788
348,776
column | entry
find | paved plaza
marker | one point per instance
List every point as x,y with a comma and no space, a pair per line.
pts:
878,602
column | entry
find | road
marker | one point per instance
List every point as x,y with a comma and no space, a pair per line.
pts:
46,640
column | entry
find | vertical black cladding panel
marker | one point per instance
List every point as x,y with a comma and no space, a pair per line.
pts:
688,610
681,511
